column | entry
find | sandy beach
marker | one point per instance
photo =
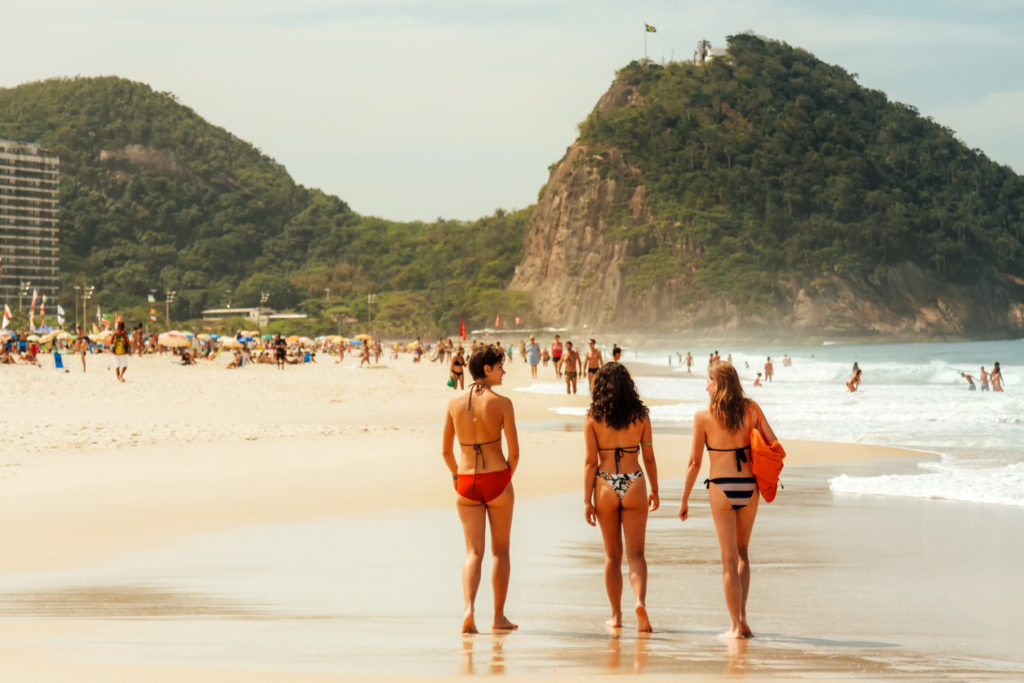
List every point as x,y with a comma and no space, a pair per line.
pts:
204,524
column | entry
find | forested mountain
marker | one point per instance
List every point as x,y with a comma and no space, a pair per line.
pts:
154,198
768,186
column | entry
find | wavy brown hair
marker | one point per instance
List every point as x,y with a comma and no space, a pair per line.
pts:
728,405
614,399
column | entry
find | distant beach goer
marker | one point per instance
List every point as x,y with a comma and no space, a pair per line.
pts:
483,478
769,369
617,430
556,356
280,351
593,361
572,366
82,344
122,346
365,357
457,370
854,382
996,377
545,356
617,353
970,381
984,379
533,356
734,496
757,380
689,363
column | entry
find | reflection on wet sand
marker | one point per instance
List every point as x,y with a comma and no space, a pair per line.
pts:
615,651
496,661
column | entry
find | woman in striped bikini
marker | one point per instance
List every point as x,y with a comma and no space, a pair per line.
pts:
617,430
732,488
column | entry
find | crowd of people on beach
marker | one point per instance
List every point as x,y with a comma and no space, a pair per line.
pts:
619,463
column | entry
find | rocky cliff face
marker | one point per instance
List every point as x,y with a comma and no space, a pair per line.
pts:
574,269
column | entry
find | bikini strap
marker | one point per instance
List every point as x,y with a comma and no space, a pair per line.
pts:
619,452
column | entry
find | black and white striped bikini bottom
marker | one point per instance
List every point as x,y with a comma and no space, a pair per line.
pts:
739,490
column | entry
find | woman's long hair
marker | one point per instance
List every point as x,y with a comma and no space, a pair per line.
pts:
614,399
728,404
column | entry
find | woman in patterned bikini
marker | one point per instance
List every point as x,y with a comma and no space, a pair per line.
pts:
733,497
618,431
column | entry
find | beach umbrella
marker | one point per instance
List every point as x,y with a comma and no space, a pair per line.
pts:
47,338
363,337
246,340
101,336
32,337
292,339
231,343
64,335
203,337
214,336
267,336
6,333
172,339
305,340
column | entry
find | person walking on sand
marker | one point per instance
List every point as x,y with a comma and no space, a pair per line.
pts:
483,478
733,495
82,344
280,351
617,430
556,356
572,366
122,346
996,377
457,370
533,356
593,362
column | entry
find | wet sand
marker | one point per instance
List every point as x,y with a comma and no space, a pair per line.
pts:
211,548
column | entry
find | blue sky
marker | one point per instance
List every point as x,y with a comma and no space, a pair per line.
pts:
412,109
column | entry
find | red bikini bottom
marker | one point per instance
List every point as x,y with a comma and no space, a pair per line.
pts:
483,487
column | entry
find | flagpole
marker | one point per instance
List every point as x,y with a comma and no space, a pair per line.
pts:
645,42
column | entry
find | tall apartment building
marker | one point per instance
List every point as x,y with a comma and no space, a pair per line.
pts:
29,221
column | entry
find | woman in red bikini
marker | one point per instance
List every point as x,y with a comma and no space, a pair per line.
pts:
732,488
483,477
617,431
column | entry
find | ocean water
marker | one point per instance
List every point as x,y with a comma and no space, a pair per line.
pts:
911,396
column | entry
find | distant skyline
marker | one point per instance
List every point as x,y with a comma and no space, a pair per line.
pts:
414,110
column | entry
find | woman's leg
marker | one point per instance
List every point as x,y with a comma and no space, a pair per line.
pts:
744,526
610,521
634,527
726,528
473,516
499,511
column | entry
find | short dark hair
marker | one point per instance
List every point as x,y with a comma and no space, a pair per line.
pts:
485,355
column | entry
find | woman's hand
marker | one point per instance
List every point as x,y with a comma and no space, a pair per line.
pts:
684,510
590,513
653,502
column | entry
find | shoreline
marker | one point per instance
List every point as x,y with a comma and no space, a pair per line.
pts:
124,483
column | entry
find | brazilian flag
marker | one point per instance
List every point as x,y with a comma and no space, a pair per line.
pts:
650,29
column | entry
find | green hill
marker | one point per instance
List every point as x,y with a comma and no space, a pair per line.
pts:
768,177
773,156
153,198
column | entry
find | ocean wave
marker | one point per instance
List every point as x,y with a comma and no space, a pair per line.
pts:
964,481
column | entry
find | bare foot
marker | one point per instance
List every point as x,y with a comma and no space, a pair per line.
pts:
503,624
614,622
737,632
469,624
643,623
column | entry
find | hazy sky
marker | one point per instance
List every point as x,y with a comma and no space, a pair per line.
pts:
412,109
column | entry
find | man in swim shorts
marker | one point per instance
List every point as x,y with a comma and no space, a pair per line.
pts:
572,367
593,361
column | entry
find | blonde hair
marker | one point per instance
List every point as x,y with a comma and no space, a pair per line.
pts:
728,405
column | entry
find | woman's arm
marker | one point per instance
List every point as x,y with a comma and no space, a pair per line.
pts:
693,468
447,443
762,424
650,466
511,435
589,471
